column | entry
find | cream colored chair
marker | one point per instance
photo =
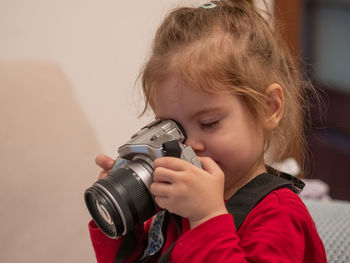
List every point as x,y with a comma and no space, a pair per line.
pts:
47,150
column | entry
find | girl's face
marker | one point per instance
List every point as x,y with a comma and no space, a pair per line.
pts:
218,126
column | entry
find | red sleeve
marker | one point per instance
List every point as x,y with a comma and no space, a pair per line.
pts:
106,248
278,229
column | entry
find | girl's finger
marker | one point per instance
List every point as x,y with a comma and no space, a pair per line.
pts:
164,175
209,165
104,161
103,174
172,163
160,189
162,202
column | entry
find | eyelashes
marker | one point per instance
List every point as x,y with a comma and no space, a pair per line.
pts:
208,125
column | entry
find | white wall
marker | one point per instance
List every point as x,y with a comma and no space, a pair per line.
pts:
100,46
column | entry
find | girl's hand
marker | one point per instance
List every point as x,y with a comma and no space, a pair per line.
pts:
187,190
106,163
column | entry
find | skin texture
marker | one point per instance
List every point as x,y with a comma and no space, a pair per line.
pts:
228,140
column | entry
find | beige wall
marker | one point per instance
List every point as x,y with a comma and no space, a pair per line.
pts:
100,45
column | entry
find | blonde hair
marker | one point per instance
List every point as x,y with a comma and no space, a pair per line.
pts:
231,48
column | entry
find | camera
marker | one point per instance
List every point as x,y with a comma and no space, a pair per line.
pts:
122,200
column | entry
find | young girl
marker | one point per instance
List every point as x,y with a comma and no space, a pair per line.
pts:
223,74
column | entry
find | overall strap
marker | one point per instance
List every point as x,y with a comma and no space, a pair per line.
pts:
246,198
164,258
178,223
127,246
156,238
129,242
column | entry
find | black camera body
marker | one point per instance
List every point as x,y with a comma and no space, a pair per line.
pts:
122,200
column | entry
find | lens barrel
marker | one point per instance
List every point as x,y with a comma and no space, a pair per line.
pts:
120,201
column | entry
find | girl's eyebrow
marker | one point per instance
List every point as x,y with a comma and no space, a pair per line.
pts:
203,111
213,109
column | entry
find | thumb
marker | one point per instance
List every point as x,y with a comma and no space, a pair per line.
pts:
210,166
104,161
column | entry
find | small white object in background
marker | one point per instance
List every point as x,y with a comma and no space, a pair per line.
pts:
314,188
289,166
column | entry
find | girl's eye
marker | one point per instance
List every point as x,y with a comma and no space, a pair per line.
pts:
208,125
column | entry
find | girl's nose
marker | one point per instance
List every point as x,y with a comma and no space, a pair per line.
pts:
196,144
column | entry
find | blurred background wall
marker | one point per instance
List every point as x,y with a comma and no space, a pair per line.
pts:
99,45
318,33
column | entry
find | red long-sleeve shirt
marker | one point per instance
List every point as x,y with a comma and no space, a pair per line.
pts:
278,229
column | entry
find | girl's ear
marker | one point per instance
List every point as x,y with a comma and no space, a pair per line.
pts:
274,106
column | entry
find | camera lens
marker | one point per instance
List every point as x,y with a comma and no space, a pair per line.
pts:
121,200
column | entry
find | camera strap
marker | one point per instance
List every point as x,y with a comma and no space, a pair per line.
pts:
172,148
157,236
148,254
246,198
178,223
126,247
